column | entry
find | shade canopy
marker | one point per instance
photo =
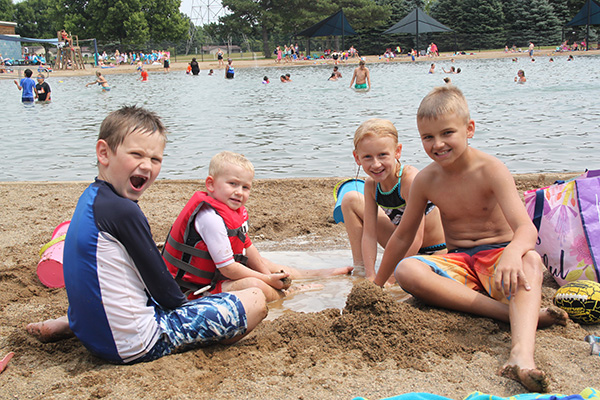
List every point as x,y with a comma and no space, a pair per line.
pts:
588,15
29,40
416,22
336,25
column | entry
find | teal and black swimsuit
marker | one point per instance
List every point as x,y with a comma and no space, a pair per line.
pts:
394,205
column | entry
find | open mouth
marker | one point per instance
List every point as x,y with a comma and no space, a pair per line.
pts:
137,181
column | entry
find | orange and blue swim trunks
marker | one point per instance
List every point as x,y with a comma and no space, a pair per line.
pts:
474,267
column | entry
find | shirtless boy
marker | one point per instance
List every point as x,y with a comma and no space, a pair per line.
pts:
491,268
361,76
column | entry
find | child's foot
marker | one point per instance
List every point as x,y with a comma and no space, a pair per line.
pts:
302,288
321,273
534,380
552,316
51,330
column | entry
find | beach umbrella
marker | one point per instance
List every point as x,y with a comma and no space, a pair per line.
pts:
588,15
416,22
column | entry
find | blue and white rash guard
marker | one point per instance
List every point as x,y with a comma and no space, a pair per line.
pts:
115,276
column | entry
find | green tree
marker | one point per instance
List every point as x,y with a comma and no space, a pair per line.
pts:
126,21
531,20
35,20
479,24
287,17
7,10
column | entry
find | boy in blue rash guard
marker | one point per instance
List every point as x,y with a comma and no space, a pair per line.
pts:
27,85
124,305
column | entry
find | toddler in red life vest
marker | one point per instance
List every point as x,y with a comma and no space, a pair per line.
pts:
208,249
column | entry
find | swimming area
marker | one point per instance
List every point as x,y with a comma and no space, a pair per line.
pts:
305,128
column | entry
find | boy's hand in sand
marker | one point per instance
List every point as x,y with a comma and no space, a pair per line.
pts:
280,280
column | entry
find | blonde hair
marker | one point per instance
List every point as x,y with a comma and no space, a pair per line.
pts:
444,100
120,123
375,127
219,162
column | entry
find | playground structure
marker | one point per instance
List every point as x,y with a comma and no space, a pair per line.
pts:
68,56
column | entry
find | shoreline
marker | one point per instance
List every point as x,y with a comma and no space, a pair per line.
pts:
265,63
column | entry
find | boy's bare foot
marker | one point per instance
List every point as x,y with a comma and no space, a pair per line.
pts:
321,273
552,316
534,380
51,330
302,288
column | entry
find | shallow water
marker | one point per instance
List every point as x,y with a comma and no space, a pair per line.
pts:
305,128
334,290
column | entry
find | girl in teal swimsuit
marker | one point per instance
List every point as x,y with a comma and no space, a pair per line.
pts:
372,218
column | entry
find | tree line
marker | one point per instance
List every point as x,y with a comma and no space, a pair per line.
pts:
476,24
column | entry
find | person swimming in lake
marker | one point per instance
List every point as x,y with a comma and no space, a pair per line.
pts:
520,78
100,80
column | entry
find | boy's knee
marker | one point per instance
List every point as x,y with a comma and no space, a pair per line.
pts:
532,263
254,299
406,273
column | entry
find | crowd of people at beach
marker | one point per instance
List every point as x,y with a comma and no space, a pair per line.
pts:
130,303
155,57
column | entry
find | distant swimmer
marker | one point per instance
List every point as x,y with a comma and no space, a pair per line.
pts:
229,71
432,69
520,78
195,68
361,76
100,80
42,89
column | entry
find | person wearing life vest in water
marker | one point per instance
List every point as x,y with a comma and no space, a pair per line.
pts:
208,249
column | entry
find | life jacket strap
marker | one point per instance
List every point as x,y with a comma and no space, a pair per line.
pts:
187,249
182,265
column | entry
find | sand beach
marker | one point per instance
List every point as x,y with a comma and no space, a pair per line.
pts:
375,347
210,63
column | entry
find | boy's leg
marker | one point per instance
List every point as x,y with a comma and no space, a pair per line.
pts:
269,291
523,312
51,330
255,305
524,309
421,281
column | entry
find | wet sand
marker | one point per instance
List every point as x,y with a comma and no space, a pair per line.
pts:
376,347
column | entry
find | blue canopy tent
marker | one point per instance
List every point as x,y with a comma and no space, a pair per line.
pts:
335,25
417,22
12,50
29,40
588,15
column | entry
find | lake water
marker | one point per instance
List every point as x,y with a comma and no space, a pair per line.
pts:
305,128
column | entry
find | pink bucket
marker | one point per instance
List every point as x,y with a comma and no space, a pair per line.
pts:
50,267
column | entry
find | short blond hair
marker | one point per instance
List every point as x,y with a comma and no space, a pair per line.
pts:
377,128
444,100
218,164
120,123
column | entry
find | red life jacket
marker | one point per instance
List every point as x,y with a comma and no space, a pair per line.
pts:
186,254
